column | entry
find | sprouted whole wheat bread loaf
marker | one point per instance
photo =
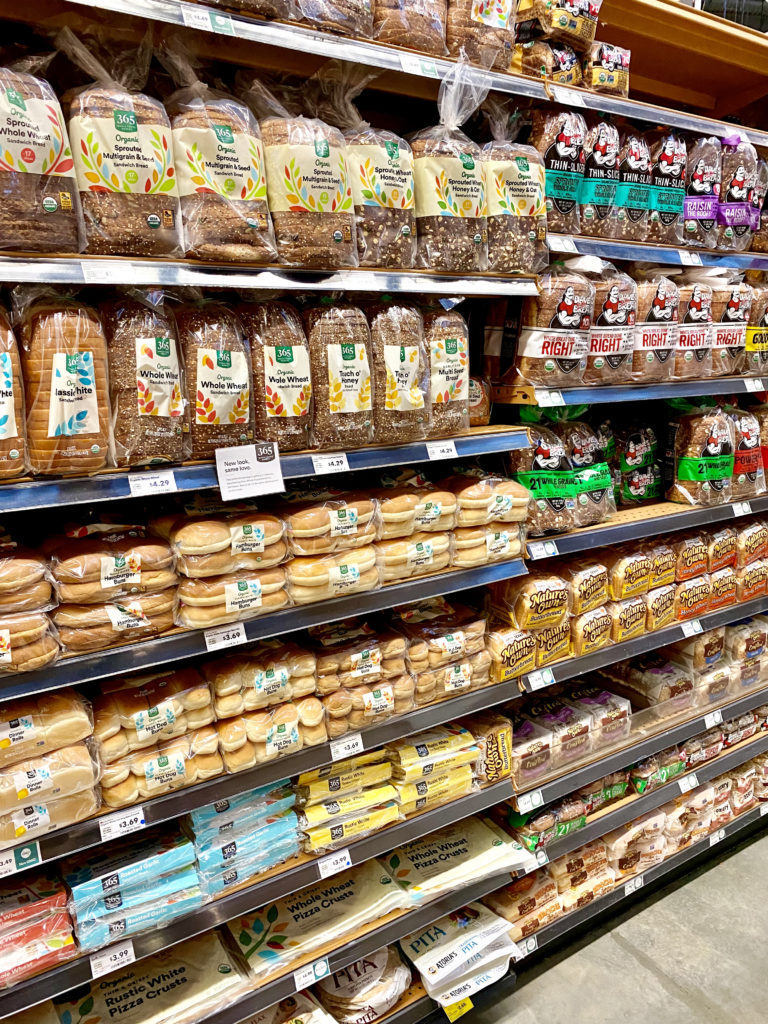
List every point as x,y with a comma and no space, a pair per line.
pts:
402,409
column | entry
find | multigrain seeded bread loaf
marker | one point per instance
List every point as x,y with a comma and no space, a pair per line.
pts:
13,440
401,373
147,385
282,377
447,337
597,195
484,32
218,368
701,457
748,470
40,200
559,137
416,24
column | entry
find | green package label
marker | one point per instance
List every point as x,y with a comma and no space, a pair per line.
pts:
640,460
631,490
609,447
564,828
562,188
593,478
706,467
615,792
549,484
668,202
634,197
599,192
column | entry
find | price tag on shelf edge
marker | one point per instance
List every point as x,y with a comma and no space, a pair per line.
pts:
412,64
104,271
458,1009
717,837
207,21
346,746
542,858
112,959
161,481
542,549
539,679
21,857
562,243
689,259
249,470
688,782
691,628
753,384
526,946
334,863
742,508
570,97
763,810
633,885
218,637
546,399
712,719
441,450
337,463
306,976
123,823
529,801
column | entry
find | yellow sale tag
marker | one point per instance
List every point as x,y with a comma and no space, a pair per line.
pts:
456,1010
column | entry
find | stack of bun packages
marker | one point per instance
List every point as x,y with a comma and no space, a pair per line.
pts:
123,153
28,640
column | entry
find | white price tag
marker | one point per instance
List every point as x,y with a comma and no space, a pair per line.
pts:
415,65
717,837
753,384
763,810
689,259
547,399
688,782
122,824
530,801
337,463
218,637
569,96
346,746
104,271
542,549
742,508
633,885
542,858
334,863
207,21
306,976
21,857
712,719
562,243
526,946
441,450
691,628
249,470
161,481
112,959
538,680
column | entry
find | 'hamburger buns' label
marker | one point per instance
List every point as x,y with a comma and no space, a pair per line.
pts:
343,577
242,595
343,521
120,570
127,616
247,538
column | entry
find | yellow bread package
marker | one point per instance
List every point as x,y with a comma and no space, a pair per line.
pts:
33,726
435,789
354,826
553,643
351,804
537,600
493,735
629,573
588,582
438,749
345,777
591,631
513,651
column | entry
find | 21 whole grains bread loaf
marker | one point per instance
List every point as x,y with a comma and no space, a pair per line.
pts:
41,201
447,337
451,208
402,407
147,383
546,470
553,344
669,157
632,200
13,432
559,137
282,377
415,24
123,152
702,191
483,31
593,484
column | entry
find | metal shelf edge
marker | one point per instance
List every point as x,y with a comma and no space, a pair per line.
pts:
643,252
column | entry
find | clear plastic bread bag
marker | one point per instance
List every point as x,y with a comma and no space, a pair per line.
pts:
693,354
415,24
630,215
597,192
220,169
748,470
640,469
606,69
13,430
701,449
760,238
547,471
611,334
147,382
735,215
309,188
381,170
233,597
340,359
731,301
282,9
559,137
41,200
218,367
656,328
64,361
348,17
593,491
759,193
451,207
402,404
553,344
517,212
702,191
574,23
484,31
756,349
669,158
128,211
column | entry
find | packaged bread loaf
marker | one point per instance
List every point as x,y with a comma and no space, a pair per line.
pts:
541,599
480,401
691,556
451,208
220,168
722,588
611,335
233,597
597,192
735,217
13,440
757,199
218,369
659,607
147,382
129,210
41,200
340,361
663,564
693,354
669,157
283,9
309,191
629,573
415,24
701,456
751,543
756,348
640,472
692,598
751,581
559,137
282,376
546,471
606,69
483,32
551,59
94,627
721,548
748,470
517,213
630,215
349,17
702,191
447,339
553,344
401,373
66,388
557,19
593,484
656,331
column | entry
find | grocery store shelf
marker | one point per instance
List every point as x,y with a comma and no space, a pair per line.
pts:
24,495
164,650
526,394
646,253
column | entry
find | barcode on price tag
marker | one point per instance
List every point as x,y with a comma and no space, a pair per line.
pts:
753,384
569,96
689,259
21,857
538,680
717,837
122,823
691,628
441,450
160,482
112,959
218,637
346,746
712,719
688,782
103,272
415,65
562,243
742,508
334,863
308,975
547,399
337,463
529,801
542,549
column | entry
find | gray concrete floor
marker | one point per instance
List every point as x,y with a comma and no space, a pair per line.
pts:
695,952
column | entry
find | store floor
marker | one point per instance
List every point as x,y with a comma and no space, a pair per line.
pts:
693,952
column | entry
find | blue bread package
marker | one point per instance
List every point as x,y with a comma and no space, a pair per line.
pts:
222,810
155,854
132,896
153,914
247,845
217,880
244,821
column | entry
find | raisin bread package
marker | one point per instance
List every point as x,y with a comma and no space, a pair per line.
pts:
669,157
606,69
41,201
541,58
640,469
220,167
517,213
553,344
574,23
451,209
735,216
593,483
748,470
547,471
447,338
147,385
401,373
702,191
700,458
611,335
129,210
597,192
309,190
630,216
483,30
756,349
559,137
415,24
693,354
656,329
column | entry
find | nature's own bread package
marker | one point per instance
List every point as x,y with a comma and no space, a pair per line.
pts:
559,137
123,152
416,24
483,31
41,201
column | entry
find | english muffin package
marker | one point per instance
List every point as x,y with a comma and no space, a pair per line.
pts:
131,207
735,216
559,137
41,201
451,208
700,458
702,191
656,329
597,192
630,215
669,157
